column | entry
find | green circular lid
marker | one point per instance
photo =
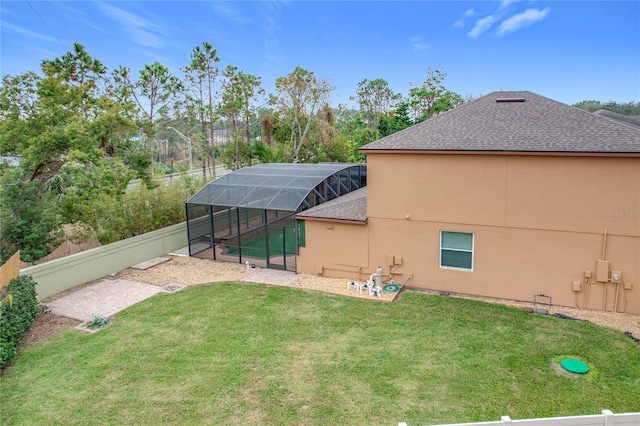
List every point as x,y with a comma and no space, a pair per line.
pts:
391,288
574,366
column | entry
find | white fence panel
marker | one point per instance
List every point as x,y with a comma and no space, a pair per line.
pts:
607,418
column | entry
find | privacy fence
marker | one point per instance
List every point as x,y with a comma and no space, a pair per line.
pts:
62,274
10,269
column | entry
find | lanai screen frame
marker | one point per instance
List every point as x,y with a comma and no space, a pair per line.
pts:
262,200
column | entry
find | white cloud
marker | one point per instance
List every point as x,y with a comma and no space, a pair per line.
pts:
229,11
27,33
271,26
141,30
521,20
418,44
506,3
460,22
482,25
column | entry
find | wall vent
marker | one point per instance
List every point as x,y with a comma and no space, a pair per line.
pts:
504,100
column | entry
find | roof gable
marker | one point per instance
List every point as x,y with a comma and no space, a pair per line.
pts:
514,122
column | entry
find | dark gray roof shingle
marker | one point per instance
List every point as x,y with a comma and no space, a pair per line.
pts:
538,124
634,120
352,206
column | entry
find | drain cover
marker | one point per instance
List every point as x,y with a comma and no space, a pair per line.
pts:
391,288
574,366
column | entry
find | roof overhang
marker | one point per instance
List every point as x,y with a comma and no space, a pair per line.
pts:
513,153
325,219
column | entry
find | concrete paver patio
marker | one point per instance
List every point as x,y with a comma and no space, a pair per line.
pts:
105,298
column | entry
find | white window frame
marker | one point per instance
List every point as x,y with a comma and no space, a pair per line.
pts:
472,251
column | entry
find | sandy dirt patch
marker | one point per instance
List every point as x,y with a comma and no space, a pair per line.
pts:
193,271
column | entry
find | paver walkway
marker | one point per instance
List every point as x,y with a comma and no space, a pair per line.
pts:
104,298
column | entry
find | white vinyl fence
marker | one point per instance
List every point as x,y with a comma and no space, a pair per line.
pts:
607,418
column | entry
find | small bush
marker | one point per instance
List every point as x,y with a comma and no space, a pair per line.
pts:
18,308
98,321
142,210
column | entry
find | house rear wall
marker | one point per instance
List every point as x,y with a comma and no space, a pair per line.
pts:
340,249
538,225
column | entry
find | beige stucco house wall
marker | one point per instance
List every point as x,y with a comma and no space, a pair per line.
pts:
539,215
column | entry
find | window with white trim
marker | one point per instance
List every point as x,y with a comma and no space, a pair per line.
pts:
456,250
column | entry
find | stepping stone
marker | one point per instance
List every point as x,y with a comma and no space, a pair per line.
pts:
150,263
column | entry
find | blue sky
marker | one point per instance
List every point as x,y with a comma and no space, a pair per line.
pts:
566,50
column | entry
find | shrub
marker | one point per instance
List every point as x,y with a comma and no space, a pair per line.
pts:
18,308
98,321
142,210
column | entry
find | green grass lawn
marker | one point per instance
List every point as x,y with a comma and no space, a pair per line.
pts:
252,354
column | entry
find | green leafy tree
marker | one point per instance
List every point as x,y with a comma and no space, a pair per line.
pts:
401,116
261,152
72,137
200,76
77,67
624,108
345,116
336,149
238,91
154,93
18,104
70,113
375,98
396,121
29,221
354,131
236,154
298,98
432,98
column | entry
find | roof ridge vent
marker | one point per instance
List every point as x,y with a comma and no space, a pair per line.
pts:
505,100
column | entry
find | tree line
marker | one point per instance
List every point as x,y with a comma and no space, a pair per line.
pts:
623,108
82,133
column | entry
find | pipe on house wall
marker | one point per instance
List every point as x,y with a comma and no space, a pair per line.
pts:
589,283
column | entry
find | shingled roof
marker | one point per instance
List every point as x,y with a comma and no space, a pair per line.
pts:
634,120
351,207
513,122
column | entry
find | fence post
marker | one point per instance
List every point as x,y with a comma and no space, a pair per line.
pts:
609,418
506,420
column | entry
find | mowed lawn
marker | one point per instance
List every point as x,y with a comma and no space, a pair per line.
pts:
252,354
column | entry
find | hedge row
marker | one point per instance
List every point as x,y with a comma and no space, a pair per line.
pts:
18,308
